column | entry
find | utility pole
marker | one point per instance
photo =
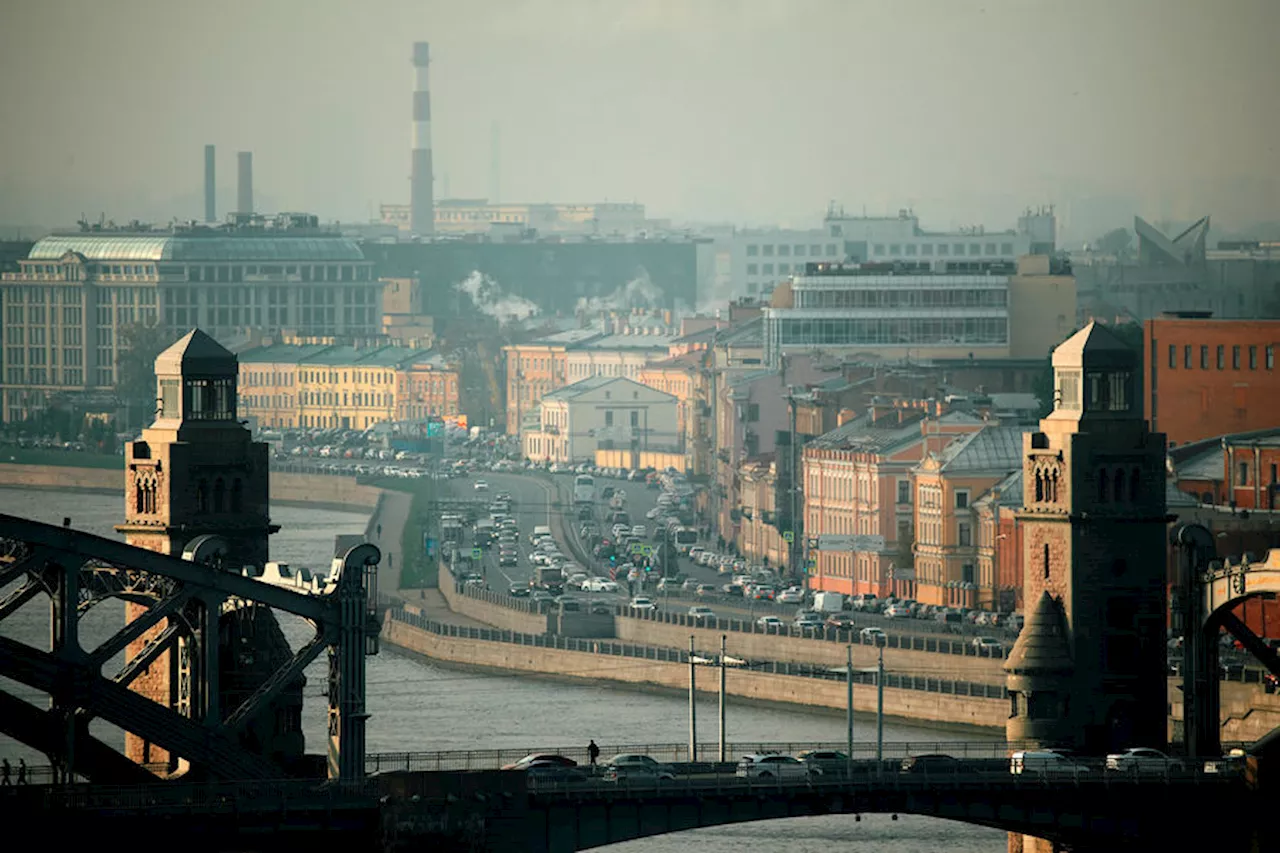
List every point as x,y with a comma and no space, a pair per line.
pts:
722,699
848,677
693,710
880,707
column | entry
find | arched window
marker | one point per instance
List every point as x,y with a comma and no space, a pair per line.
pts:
1103,479
219,494
237,495
1054,489
202,496
1039,486
139,503
1120,491
1046,561
1135,484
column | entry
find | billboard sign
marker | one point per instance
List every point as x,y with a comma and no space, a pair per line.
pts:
851,542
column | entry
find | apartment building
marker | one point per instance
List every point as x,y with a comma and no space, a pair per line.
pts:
1209,377
1237,471
947,483
75,293
858,480
427,387
268,383
999,549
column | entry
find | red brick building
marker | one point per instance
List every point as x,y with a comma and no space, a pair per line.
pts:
1208,377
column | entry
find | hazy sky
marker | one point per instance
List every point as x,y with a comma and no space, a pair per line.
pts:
735,110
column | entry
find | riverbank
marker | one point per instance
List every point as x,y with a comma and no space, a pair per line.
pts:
306,490
915,706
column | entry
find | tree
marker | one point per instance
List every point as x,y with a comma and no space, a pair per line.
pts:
136,349
1115,242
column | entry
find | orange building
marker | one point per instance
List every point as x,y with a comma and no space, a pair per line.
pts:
858,481
1208,377
425,388
947,486
536,368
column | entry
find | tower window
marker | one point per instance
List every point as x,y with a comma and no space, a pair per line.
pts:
1046,561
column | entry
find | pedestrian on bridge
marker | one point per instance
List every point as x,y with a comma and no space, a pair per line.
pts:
22,772
4,773
593,752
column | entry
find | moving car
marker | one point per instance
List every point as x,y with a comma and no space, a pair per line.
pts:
825,760
874,636
1142,760
643,604
780,767
841,621
1044,763
771,623
702,613
629,767
791,596
930,763
988,646
541,758
481,486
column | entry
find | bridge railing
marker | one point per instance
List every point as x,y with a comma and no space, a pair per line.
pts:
675,753
904,681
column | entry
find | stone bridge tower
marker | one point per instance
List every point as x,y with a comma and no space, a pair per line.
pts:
1088,669
197,470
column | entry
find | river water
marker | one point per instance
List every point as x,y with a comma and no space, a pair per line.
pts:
416,705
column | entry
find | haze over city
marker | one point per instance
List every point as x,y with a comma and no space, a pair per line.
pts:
747,113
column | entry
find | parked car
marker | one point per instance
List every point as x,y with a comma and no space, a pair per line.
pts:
1143,760
780,767
874,636
645,605
809,623
898,611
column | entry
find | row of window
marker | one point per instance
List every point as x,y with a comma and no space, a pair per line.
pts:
878,332
1220,357
894,250
786,250
69,376
947,298
357,398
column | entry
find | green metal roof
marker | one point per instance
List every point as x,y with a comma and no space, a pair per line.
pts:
196,248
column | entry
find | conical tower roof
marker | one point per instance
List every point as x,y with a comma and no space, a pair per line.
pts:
1042,647
195,353
1094,346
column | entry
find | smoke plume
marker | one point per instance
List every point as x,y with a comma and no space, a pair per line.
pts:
491,300
640,292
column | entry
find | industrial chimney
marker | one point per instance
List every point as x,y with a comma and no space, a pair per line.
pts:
244,182
422,216
210,186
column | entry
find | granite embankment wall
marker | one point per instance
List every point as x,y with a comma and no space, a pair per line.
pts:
807,650
758,686
506,618
341,493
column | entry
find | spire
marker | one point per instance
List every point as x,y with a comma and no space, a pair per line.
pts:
1041,648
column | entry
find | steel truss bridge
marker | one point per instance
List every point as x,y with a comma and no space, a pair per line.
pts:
184,599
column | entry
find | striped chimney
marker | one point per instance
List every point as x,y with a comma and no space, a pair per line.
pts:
421,202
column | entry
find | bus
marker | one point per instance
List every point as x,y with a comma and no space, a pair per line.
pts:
684,539
584,489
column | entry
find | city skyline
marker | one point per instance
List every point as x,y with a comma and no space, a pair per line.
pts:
699,111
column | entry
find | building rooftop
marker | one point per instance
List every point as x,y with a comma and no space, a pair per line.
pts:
591,383
195,354
746,334
281,353
1007,492
1041,647
197,246
568,338
991,449
621,341
1094,346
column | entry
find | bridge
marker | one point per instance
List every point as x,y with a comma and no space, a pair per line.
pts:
503,810
484,807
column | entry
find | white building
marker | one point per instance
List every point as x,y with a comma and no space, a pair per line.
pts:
760,259
602,412
624,353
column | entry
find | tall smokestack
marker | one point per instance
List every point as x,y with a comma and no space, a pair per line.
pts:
210,186
244,182
422,215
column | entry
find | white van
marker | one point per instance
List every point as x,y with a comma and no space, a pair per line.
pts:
539,533
1044,763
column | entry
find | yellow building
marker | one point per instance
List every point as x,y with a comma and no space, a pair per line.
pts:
268,383
683,377
947,484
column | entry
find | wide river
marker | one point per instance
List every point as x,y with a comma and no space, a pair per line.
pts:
416,705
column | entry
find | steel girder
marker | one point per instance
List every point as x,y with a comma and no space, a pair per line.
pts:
184,598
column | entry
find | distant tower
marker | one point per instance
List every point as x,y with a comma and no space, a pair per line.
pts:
495,163
1088,669
422,216
210,185
197,470
244,182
